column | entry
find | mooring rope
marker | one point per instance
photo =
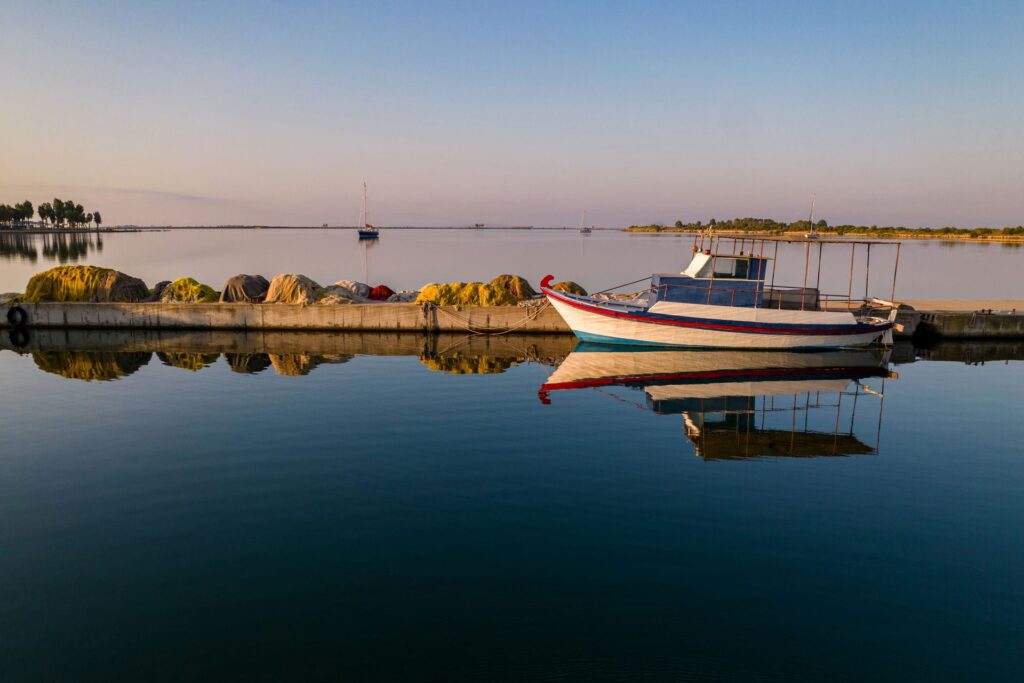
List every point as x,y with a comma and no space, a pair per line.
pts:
624,284
466,326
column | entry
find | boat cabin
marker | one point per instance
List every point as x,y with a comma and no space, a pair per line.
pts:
729,280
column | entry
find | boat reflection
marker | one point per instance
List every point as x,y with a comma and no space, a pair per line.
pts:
743,404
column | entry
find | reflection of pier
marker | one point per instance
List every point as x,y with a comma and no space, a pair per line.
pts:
737,404
111,354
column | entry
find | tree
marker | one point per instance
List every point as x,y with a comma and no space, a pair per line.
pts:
24,211
45,212
58,212
97,219
679,224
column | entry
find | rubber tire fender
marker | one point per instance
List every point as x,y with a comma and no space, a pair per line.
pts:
17,316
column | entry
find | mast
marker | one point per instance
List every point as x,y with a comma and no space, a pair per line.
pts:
366,216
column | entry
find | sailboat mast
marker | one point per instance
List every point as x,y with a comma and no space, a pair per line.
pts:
366,216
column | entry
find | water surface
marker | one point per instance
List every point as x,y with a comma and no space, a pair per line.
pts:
407,259
387,507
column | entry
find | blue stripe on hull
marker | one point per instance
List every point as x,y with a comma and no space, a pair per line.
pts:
602,339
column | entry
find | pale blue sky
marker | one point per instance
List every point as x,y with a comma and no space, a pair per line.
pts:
516,113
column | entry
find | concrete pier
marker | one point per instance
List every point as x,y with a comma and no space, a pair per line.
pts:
354,317
920,319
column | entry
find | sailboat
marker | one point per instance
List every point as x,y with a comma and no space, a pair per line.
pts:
584,228
813,233
367,232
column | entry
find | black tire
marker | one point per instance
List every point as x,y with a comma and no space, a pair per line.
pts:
19,337
17,316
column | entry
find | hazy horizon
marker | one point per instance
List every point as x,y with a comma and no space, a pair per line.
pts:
520,114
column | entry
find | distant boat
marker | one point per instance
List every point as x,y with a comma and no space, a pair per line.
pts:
478,226
813,233
584,228
367,232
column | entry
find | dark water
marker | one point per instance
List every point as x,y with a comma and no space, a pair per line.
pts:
373,508
406,259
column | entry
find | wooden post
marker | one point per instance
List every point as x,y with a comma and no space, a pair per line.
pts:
867,272
807,267
817,282
771,287
895,269
849,290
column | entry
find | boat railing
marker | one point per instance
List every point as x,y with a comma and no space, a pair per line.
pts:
781,297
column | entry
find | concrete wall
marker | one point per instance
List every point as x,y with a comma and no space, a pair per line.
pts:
949,325
370,317
417,318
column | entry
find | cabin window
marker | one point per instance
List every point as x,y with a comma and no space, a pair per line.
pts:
726,269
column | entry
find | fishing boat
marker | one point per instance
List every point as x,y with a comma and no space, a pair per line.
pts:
739,404
722,300
367,232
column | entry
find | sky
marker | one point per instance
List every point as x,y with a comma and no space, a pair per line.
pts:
515,113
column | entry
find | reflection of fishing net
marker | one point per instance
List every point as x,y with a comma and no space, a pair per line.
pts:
298,364
468,365
188,361
247,363
90,365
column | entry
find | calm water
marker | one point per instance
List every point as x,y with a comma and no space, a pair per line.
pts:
406,259
350,507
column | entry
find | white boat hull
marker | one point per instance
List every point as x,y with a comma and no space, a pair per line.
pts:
731,327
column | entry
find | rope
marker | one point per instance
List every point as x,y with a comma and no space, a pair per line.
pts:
624,284
464,324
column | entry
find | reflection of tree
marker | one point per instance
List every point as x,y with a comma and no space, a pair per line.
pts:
60,247
22,247
70,247
91,365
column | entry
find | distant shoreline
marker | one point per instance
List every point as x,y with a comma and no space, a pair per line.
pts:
826,234
163,228
646,230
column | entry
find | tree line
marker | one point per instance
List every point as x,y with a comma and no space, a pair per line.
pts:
58,213
768,225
